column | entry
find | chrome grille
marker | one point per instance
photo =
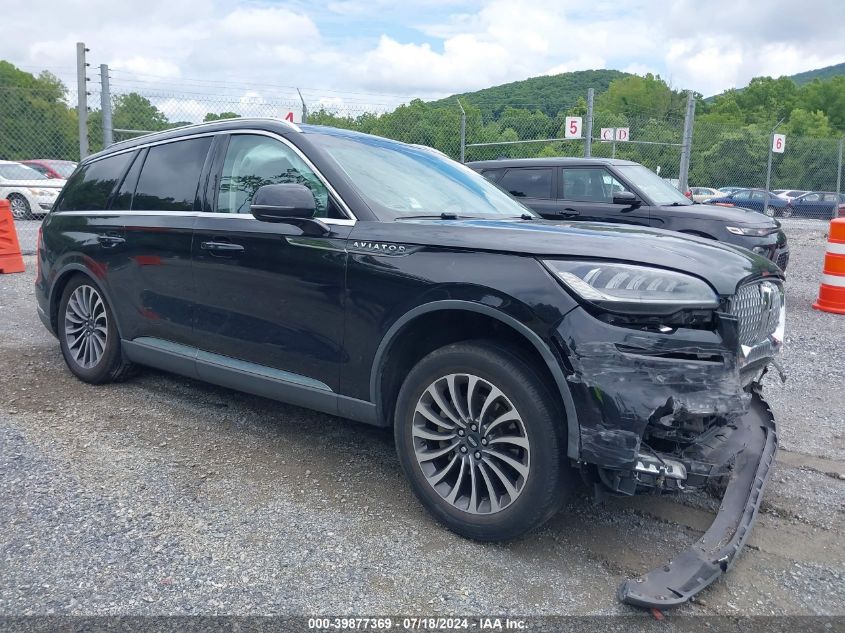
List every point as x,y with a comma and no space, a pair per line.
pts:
757,306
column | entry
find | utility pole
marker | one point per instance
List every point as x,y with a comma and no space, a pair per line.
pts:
304,107
588,142
686,143
82,98
769,166
463,129
105,105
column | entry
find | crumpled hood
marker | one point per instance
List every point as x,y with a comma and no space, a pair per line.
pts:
723,265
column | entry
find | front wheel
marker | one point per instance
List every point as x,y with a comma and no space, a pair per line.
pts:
786,212
771,211
480,438
20,207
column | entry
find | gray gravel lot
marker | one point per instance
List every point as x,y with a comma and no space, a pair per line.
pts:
163,495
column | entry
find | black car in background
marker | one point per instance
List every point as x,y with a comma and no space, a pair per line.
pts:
819,204
624,192
510,356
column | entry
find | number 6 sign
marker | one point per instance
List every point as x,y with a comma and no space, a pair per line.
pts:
778,143
573,127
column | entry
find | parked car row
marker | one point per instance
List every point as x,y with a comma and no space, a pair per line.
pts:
811,204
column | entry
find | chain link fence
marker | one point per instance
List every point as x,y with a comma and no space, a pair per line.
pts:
40,122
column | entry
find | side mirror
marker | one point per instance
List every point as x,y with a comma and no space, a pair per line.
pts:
288,204
627,198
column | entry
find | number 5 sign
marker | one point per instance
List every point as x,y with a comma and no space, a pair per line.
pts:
778,143
573,127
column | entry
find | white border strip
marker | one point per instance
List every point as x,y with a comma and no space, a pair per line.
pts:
834,280
836,248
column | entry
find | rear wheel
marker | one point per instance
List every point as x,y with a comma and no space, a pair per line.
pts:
20,207
88,335
786,212
479,436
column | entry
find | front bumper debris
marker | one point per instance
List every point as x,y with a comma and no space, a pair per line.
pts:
713,554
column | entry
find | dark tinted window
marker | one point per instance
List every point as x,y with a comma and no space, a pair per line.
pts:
528,183
90,187
170,176
122,200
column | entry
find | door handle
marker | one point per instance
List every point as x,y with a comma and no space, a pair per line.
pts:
110,241
570,213
222,248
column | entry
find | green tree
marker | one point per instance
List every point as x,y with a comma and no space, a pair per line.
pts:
35,118
223,115
133,112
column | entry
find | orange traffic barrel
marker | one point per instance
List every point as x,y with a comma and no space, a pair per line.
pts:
832,289
10,250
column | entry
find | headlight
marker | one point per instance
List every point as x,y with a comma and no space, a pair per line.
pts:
630,288
744,230
41,192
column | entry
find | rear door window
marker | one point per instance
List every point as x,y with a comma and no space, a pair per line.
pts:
170,177
90,188
535,182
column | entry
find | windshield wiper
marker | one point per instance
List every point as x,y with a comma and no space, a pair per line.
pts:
446,215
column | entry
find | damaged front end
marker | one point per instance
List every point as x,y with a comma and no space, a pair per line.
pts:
674,405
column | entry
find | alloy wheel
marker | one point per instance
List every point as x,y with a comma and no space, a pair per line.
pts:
20,207
471,444
86,326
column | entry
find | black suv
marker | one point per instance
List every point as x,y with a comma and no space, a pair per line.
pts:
624,192
388,284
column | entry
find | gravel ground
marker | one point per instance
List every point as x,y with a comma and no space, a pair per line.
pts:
163,495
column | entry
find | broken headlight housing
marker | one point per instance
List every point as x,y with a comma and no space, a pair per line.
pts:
630,288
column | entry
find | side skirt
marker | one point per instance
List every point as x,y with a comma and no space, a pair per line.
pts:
253,378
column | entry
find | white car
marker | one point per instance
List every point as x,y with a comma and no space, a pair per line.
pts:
30,193
789,194
700,194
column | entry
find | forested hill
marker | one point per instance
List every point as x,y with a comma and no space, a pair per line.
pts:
549,93
819,73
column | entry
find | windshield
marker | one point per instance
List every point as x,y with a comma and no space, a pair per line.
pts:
399,180
20,172
658,190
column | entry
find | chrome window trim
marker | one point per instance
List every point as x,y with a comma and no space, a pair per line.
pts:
350,220
194,214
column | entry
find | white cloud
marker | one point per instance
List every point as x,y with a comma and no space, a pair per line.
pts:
153,66
426,49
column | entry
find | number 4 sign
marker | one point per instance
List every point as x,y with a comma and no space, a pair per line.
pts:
778,143
573,127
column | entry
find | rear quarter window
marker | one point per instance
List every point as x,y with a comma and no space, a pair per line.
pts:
91,186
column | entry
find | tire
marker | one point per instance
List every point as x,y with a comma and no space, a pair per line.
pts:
528,431
771,211
786,212
20,207
88,335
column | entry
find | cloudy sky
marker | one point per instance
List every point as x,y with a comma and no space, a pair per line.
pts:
371,52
